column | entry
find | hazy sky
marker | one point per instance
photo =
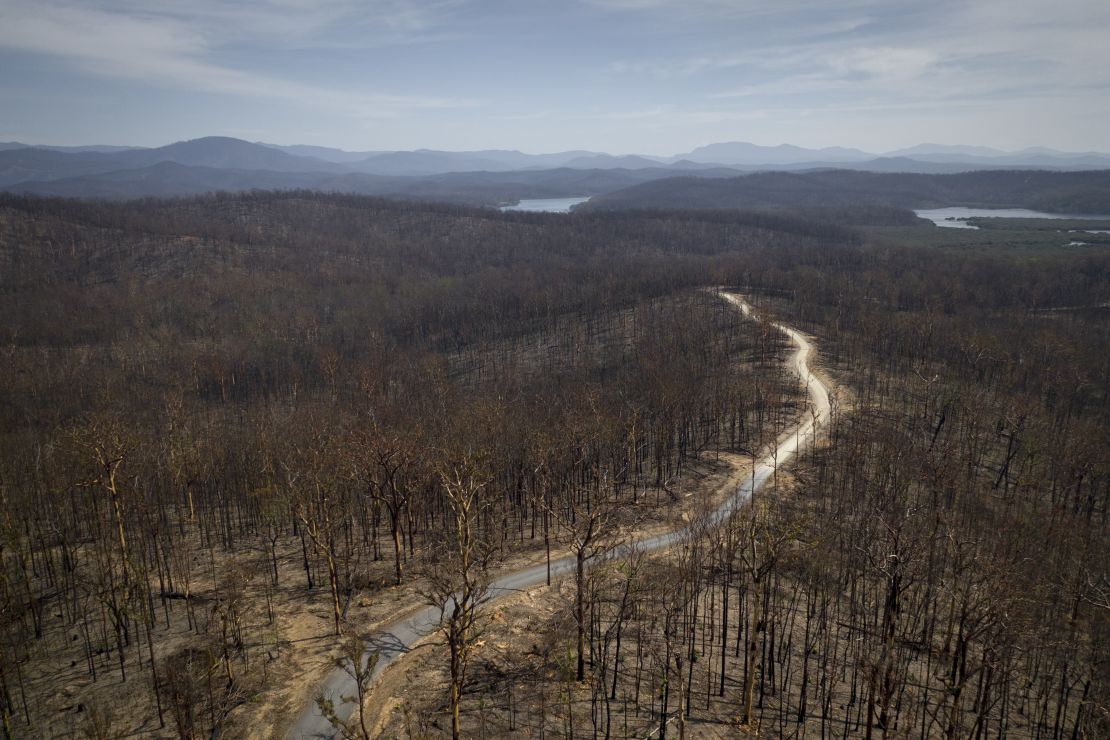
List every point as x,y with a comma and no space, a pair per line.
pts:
649,76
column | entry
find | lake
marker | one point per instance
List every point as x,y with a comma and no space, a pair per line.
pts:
547,205
956,218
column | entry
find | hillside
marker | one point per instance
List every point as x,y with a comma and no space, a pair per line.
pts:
1064,192
471,188
32,164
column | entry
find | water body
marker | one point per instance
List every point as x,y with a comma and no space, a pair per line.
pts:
956,217
547,205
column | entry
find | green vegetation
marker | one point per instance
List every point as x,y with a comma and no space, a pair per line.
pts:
1015,237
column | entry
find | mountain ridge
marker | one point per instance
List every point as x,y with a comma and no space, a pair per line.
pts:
100,171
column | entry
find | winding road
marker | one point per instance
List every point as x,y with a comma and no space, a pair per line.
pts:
398,638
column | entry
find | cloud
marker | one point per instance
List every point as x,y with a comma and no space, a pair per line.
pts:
726,8
988,50
885,63
281,22
158,47
454,70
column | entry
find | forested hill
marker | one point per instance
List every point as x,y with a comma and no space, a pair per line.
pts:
1064,192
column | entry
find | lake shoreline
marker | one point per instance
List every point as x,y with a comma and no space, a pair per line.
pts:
956,217
546,205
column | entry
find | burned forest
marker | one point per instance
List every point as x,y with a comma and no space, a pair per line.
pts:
245,437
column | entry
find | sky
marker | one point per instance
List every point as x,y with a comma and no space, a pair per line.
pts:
646,76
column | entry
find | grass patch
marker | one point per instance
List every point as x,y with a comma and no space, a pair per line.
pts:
1022,237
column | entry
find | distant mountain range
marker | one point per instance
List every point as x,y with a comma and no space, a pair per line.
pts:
743,153
486,176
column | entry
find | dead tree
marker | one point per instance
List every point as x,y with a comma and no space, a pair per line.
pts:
457,573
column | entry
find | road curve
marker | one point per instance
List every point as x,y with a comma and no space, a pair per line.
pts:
398,638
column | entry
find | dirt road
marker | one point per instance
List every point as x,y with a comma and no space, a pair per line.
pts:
401,636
